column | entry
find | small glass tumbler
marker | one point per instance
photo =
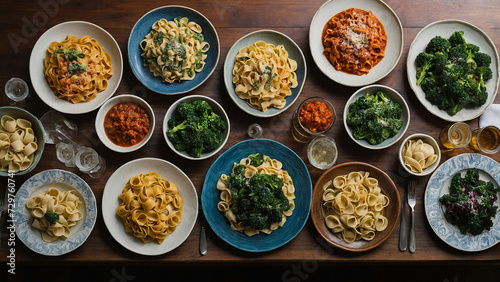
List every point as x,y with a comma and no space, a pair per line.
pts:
57,127
255,130
456,135
486,140
66,153
322,152
314,117
16,89
89,162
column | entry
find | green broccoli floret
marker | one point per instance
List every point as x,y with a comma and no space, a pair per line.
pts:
424,63
458,56
202,108
457,38
438,44
482,59
257,159
51,217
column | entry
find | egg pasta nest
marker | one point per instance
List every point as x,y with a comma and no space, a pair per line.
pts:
151,207
354,206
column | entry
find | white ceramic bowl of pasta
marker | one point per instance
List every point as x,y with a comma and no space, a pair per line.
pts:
270,37
39,135
101,114
394,96
59,33
217,108
393,51
428,155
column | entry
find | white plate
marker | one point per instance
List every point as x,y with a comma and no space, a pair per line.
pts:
438,185
59,33
110,203
472,35
63,181
393,50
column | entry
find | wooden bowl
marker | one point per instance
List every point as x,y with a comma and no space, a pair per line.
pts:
391,211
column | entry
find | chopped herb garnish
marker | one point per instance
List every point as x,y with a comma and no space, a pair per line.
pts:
69,54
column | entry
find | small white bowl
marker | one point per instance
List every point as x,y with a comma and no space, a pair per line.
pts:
394,96
217,108
426,139
99,122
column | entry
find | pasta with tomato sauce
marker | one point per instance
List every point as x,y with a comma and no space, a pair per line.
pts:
354,41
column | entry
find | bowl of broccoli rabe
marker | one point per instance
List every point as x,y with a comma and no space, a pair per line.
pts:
452,67
196,127
376,116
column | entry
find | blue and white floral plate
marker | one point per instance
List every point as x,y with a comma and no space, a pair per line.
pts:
489,170
63,181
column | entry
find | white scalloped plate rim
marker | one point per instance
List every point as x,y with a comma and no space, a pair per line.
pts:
59,179
437,186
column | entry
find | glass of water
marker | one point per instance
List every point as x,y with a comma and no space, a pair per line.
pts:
89,162
57,127
16,89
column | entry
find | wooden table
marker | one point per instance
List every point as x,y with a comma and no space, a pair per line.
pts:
233,19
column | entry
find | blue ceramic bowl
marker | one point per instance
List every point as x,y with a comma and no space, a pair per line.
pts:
303,195
37,127
270,37
143,27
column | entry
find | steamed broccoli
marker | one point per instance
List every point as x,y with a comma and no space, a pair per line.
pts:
195,128
51,217
259,201
452,73
374,117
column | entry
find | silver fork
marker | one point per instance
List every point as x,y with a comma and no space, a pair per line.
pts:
411,203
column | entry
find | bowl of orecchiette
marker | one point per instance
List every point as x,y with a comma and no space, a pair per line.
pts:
419,154
21,141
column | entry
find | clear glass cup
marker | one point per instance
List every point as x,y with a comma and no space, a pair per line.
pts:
89,162
255,130
485,140
66,153
301,131
57,127
456,135
322,152
16,89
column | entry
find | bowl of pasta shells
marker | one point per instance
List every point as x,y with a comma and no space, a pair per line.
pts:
22,140
264,72
419,154
173,49
355,206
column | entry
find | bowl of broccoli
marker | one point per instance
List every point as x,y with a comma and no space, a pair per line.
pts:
196,127
376,116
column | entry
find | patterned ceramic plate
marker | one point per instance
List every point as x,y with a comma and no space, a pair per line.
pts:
63,181
489,170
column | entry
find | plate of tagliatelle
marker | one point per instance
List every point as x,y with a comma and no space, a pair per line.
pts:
356,43
355,206
295,188
92,67
149,206
55,212
264,72
173,49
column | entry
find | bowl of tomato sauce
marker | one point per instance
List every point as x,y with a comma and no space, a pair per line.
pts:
314,117
125,123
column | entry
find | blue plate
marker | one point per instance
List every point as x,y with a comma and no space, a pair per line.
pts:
41,182
438,185
270,37
143,27
303,192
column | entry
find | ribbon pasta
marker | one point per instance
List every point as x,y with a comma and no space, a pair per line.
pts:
174,50
64,203
151,207
270,166
354,205
354,41
77,69
18,144
263,75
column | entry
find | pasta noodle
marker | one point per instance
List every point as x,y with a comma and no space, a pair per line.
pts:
65,204
151,207
354,205
418,155
270,166
354,41
77,69
174,50
263,75
18,144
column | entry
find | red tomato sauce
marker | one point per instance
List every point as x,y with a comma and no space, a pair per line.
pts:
126,124
316,116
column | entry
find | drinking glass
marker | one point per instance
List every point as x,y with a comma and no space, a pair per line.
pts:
300,130
66,153
456,135
486,140
16,89
57,127
89,162
322,152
